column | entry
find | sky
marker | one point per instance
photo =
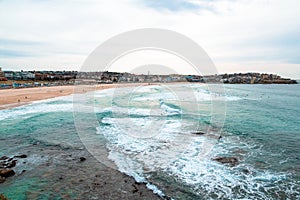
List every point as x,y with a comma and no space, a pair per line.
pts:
238,35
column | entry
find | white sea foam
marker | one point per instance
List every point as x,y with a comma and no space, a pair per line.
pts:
155,190
147,89
102,93
134,155
31,162
174,151
169,110
209,177
205,96
187,158
156,96
36,107
133,169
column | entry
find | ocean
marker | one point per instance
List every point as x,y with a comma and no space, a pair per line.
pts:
148,132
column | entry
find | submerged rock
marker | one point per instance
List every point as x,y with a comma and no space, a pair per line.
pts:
246,171
7,173
2,179
2,197
231,161
4,158
7,162
198,133
82,159
11,164
21,156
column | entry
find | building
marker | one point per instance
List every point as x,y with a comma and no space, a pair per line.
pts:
28,76
2,75
9,75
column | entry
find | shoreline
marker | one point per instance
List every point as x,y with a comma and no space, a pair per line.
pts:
11,98
15,97
114,183
94,179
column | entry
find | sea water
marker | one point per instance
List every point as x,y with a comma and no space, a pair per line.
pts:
147,133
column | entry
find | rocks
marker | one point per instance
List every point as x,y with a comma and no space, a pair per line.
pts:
4,158
6,163
135,189
209,133
2,197
198,133
231,161
7,173
11,164
21,156
36,143
245,171
82,159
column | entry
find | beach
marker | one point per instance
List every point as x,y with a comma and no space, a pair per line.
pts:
16,97
74,167
10,98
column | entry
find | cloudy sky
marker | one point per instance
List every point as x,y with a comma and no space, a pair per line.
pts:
238,35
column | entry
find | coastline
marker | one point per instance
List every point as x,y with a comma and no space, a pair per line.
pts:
56,155
74,167
102,181
11,98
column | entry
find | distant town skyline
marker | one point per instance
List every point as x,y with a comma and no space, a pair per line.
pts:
239,36
22,78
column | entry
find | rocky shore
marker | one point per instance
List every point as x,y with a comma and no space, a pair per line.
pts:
6,165
66,174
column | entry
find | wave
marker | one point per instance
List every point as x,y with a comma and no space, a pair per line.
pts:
170,109
35,108
209,178
188,158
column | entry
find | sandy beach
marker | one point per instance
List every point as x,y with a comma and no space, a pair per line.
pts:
10,98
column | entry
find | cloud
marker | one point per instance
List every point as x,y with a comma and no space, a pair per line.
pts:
172,5
52,33
13,54
8,42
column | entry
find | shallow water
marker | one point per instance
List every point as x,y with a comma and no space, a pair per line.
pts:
146,132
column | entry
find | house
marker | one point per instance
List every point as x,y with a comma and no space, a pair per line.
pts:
17,76
28,76
9,75
2,77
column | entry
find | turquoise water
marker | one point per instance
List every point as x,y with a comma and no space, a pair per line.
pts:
145,132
